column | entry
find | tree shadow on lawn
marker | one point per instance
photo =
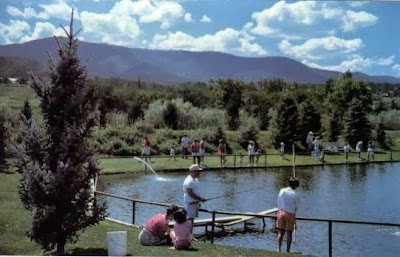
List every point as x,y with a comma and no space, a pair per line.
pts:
88,252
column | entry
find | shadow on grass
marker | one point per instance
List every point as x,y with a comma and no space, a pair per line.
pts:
88,252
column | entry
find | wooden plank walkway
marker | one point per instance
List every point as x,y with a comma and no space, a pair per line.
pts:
223,222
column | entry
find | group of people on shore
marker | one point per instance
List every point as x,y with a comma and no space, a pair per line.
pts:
156,230
314,146
197,149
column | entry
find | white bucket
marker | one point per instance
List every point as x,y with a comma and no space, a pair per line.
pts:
116,242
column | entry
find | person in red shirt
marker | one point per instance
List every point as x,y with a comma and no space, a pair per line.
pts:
156,230
146,150
196,151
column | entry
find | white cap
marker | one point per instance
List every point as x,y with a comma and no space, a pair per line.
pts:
194,167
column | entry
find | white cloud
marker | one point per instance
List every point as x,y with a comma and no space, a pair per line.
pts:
354,20
280,13
188,17
396,67
59,9
357,3
26,14
317,48
385,61
13,32
228,40
356,63
290,17
42,30
149,11
205,19
109,28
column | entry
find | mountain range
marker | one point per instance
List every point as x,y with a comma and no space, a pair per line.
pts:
171,67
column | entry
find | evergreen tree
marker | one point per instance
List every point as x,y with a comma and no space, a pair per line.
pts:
171,115
381,136
27,110
357,124
3,138
333,127
310,119
342,91
285,123
134,112
55,160
231,100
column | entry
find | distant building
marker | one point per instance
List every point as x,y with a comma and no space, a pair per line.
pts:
13,80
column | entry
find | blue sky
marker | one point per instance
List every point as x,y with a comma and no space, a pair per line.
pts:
335,35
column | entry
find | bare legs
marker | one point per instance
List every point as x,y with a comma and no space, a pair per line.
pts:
281,233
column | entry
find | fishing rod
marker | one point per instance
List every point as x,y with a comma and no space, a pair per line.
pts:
294,175
230,194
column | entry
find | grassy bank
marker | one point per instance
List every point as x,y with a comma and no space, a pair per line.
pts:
129,164
14,221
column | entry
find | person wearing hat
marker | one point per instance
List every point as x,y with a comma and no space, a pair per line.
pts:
191,195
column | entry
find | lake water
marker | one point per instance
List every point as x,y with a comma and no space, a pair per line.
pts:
364,192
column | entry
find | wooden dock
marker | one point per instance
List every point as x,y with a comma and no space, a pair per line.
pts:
227,221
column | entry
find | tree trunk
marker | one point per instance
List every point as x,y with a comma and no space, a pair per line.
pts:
61,247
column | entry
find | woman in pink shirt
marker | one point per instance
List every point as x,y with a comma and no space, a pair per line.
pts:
156,229
181,235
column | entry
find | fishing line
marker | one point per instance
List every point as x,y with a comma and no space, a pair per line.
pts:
230,194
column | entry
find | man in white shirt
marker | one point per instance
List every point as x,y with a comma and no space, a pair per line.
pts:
191,196
288,203
185,146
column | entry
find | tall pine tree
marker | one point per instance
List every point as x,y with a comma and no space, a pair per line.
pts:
310,119
286,122
357,125
55,160
231,100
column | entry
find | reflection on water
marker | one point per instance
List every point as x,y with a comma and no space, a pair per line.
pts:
359,192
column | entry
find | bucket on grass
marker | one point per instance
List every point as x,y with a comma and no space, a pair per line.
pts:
116,243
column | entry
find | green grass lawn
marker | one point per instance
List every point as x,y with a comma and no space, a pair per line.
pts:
15,220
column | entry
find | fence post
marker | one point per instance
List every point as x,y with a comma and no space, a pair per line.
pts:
391,156
234,161
330,238
133,211
213,227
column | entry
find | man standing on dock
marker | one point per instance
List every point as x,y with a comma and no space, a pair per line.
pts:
288,203
191,195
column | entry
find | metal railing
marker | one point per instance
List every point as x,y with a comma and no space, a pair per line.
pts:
214,214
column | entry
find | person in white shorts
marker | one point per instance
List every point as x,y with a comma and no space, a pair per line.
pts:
191,196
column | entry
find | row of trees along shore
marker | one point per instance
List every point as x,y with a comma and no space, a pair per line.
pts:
343,109
53,145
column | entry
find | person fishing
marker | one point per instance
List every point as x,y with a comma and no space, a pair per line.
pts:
288,203
156,230
191,196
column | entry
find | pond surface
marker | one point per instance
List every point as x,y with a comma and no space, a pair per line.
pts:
360,192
